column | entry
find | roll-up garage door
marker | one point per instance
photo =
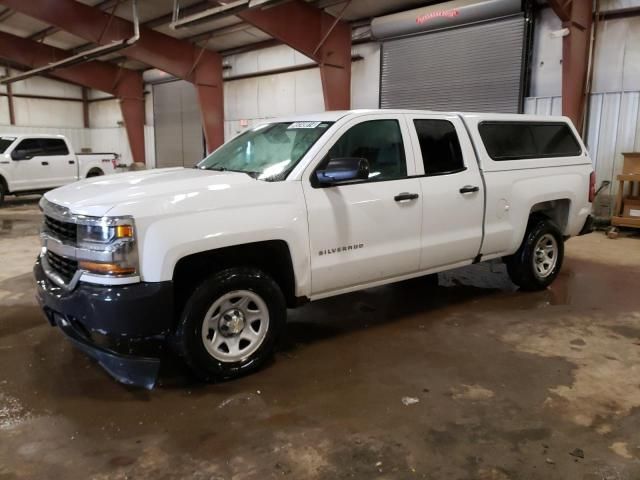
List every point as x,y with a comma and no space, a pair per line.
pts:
178,128
469,68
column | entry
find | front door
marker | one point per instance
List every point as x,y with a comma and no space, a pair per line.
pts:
27,169
452,189
366,231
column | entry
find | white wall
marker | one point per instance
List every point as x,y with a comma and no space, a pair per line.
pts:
292,93
66,117
546,61
614,106
34,112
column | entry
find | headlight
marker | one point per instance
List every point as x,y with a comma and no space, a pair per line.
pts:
107,246
103,234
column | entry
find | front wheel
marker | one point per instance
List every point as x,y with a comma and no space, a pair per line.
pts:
230,324
2,192
537,262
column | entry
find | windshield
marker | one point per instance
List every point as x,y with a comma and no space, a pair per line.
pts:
267,152
5,142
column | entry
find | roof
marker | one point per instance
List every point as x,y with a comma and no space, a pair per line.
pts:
334,116
223,35
30,135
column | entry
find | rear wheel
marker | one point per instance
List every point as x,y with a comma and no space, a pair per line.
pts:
537,262
2,192
230,324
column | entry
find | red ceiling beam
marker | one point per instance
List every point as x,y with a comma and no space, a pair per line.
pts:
577,17
316,34
125,84
177,57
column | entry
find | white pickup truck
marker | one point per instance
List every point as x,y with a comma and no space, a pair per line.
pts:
37,163
208,260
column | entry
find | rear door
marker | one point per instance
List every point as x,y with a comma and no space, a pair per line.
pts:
452,190
61,162
370,230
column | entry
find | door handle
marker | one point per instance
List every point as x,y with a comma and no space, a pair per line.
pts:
405,197
469,189
72,162
45,163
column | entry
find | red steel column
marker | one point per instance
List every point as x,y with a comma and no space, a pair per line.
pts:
177,57
577,16
125,84
130,92
319,36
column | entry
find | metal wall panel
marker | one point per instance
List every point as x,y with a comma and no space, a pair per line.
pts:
179,141
613,128
472,68
193,143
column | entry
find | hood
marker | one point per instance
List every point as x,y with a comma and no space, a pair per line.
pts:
97,196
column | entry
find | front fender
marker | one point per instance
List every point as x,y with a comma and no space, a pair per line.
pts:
168,239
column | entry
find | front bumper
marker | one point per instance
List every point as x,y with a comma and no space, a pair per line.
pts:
124,328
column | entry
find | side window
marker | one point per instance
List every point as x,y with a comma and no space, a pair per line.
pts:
526,140
54,146
380,142
30,146
439,145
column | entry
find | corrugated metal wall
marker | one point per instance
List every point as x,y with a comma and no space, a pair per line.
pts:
613,128
614,107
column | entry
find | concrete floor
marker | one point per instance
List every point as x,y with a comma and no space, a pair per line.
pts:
504,385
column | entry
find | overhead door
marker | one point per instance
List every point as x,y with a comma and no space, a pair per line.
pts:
178,129
469,68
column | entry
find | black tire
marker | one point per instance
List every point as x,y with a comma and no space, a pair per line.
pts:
188,338
521,266
3,192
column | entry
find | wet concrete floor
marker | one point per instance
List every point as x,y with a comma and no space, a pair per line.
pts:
468,380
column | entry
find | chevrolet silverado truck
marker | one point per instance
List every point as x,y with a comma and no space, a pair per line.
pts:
37,163
205,261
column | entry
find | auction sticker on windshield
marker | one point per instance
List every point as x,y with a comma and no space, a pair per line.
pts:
304,125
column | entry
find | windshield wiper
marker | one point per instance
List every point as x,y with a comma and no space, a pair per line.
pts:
225,169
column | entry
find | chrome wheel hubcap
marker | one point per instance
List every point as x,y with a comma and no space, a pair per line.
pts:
545,255
235,326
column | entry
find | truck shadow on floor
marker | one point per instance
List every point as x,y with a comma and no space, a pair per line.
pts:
421,298
14,202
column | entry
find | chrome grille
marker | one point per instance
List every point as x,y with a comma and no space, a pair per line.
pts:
65,267
64,231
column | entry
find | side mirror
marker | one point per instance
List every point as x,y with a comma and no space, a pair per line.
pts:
20,155
342,170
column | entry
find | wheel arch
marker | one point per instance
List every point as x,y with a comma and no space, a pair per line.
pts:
271,256
557,211
95,172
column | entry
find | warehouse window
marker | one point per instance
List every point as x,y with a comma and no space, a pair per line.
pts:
441,153
54,146
525,140
378,141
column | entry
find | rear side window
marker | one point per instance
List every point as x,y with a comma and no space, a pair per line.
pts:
441,153
54,146
525,140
